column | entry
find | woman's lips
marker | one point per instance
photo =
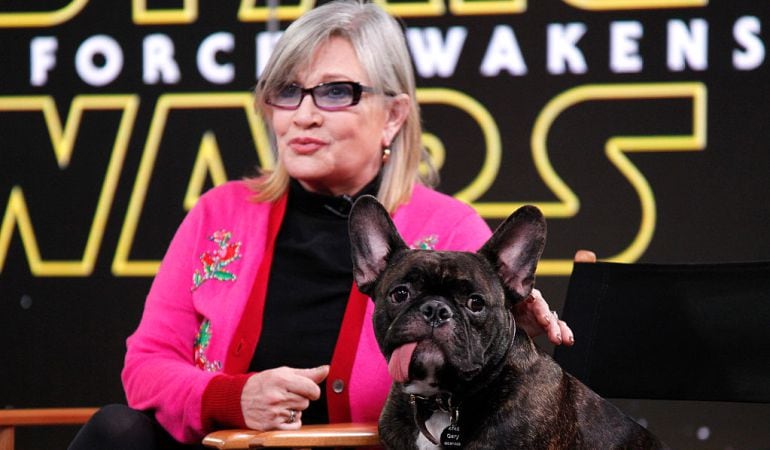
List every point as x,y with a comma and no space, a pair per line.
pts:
305,145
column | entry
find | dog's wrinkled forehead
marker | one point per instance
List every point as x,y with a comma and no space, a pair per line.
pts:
443,270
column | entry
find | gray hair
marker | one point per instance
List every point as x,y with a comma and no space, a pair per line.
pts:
380,46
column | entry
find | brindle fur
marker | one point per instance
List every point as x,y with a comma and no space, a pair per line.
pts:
510,395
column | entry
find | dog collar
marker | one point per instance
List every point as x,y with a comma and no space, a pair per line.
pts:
439,402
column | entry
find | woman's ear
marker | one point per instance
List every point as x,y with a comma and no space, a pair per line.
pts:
397,111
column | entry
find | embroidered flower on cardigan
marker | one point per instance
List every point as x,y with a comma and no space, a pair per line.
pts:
214,262
202,340
426,243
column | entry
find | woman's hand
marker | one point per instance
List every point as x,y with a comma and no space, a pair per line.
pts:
275,398
536,317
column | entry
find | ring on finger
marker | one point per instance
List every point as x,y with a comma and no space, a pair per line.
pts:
292,416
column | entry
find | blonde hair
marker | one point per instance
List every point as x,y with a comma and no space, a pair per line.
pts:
380,46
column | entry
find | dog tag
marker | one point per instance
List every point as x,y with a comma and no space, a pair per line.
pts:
450,437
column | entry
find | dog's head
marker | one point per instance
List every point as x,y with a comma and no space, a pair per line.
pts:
441,317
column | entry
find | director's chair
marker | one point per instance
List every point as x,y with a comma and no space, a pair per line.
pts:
331,435
670,331
309,436
10,419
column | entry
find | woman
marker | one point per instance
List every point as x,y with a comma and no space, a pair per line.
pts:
254,305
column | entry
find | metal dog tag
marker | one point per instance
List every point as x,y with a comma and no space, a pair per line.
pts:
450,437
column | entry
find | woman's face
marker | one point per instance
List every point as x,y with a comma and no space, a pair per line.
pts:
336,152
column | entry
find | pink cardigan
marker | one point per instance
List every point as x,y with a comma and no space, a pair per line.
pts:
189,357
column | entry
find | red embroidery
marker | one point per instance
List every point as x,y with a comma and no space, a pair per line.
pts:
215,261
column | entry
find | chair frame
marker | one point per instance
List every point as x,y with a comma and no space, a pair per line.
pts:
328,435
12,418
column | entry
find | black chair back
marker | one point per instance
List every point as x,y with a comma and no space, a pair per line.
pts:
676,332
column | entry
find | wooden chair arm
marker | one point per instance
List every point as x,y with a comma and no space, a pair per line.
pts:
329,435
12,418
45,416
230,439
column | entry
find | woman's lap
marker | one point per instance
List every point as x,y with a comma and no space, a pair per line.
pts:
118,427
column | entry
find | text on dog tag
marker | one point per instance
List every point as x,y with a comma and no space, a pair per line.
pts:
450,437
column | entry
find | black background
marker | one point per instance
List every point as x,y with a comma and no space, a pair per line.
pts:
63,337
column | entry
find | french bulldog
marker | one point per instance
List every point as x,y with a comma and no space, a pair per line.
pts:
464,375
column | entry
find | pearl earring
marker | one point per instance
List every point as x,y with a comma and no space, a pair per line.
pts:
385,155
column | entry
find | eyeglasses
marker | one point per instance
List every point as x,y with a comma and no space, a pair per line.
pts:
332,96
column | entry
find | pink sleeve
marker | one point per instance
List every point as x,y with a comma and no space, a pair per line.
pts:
159,373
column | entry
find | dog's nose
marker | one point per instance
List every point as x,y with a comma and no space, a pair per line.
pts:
435,312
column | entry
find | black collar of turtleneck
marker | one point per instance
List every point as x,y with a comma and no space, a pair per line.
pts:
322,205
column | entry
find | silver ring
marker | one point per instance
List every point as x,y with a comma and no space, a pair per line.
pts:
292,416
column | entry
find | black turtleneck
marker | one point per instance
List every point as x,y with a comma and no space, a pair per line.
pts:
309,285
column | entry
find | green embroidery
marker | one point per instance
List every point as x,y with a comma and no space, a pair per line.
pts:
426,243
202,340
214,262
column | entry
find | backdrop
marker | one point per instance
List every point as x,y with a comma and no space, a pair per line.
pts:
640,127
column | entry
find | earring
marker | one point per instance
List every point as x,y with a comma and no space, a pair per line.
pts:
385,155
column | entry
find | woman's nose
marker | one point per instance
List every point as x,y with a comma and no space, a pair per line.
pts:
307,113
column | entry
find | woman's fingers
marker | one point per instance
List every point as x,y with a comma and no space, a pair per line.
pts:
306,381
586,256
275,398
536,317
290,419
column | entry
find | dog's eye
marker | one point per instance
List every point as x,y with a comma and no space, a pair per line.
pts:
400,294
475,303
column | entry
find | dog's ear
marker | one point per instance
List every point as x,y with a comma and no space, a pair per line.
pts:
515,248
373,241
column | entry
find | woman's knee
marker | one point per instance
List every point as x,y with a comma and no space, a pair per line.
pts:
116,426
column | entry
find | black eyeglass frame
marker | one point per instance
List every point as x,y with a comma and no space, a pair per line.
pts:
357,89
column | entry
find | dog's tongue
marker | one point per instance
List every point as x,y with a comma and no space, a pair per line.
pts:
398,366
